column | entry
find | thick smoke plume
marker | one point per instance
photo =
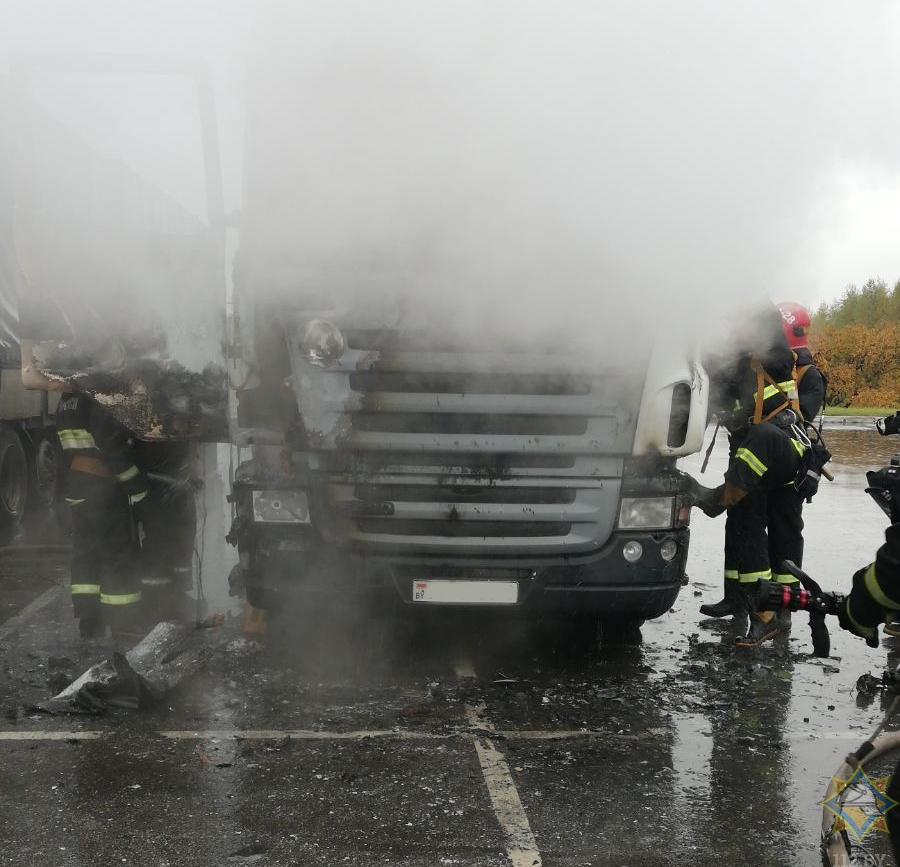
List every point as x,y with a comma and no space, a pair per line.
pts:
612,165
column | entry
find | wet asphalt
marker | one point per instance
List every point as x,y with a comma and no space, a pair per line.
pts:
455,741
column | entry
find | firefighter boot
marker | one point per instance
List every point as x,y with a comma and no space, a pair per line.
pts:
763,624
727,606
90,625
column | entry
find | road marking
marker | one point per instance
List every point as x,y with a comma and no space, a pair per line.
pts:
476,715
18,620
473,713
50,736
301,735
521,845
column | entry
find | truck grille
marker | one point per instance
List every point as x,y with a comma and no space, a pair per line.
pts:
441,450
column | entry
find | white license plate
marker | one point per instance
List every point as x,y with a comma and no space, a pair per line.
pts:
466,592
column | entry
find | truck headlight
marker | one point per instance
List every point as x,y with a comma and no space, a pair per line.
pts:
646,513
323,344
280,507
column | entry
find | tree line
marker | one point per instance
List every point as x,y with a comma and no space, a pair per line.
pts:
856,343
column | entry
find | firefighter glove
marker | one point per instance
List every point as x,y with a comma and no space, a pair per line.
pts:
710,502
705,499
859,613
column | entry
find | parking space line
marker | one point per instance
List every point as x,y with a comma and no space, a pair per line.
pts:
50,736
302,735
18,620
521,845
474,715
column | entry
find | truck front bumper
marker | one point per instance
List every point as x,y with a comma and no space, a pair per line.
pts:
602,582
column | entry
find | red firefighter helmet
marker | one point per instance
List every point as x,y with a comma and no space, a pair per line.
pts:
795,320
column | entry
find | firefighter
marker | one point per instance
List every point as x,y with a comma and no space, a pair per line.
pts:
763,468
811,382
875,596
764,525
104,488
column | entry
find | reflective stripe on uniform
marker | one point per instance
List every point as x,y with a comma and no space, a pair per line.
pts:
120,598
732,575
801,449
76,438
875,591
753,577
72,502
127,475
136,498
788,388
784,578
85,589
859,628
751,460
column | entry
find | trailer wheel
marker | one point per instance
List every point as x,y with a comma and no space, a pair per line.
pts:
13,479
48,470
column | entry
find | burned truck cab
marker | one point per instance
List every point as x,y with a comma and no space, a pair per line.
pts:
404,459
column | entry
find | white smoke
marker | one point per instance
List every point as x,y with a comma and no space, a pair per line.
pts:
625,162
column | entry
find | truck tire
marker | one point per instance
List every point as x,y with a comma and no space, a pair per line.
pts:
48,472
13,479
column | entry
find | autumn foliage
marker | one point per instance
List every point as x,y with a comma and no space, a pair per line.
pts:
856,342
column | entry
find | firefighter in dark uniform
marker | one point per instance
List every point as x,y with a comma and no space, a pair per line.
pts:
103,488
764,525
811,382
875,598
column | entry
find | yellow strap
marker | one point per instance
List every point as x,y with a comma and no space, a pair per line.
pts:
760,380
120,598
762,377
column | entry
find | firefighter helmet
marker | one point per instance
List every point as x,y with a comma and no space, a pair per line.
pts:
795,321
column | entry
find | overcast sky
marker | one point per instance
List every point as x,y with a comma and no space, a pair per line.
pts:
682,143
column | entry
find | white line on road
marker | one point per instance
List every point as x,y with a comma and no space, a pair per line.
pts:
476,721
302,735
521,845
19,620
50,736
476,715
